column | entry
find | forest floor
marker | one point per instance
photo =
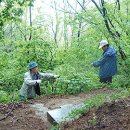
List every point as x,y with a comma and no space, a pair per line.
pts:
24,116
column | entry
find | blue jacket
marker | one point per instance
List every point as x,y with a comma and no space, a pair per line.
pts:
107,63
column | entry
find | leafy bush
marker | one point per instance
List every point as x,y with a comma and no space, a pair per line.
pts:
4,96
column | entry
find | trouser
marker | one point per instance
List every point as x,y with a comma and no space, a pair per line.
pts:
22,98
37,89
106,80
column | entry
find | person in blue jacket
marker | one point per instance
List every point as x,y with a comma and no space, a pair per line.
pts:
107,63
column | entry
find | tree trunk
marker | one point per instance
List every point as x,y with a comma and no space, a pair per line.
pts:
30,22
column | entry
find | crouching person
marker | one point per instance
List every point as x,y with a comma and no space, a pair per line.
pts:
32,80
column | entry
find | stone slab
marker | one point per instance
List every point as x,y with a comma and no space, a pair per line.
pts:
61,114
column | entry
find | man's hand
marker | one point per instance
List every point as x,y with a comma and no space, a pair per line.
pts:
38,81
91,64
56,76
53,79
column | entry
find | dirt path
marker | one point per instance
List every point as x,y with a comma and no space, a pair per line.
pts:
25,116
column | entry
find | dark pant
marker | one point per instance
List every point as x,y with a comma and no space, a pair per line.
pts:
22,98
37,89
106,80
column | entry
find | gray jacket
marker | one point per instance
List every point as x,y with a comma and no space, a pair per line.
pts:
27,90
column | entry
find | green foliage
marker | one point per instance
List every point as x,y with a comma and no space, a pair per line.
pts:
55,127
11,10
72,60
4,96
14,69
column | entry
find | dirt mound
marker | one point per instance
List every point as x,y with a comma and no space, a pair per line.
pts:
21,116
110,116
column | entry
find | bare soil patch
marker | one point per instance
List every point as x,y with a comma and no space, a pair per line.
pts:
20,116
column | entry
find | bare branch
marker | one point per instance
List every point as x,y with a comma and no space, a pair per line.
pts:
118,4
72,7
96,6
8,112
81,6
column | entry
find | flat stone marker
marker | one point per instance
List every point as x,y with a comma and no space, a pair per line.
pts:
40,110
61,114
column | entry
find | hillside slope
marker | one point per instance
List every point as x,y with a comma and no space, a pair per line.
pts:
22,116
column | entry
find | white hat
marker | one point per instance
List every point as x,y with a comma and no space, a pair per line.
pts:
103,43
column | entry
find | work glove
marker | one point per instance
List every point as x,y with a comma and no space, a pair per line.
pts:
53,78
56,76
91,64
38,81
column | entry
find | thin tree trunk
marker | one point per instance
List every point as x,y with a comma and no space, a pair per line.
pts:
30,22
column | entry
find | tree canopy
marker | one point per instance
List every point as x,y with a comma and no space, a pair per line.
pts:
65,43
